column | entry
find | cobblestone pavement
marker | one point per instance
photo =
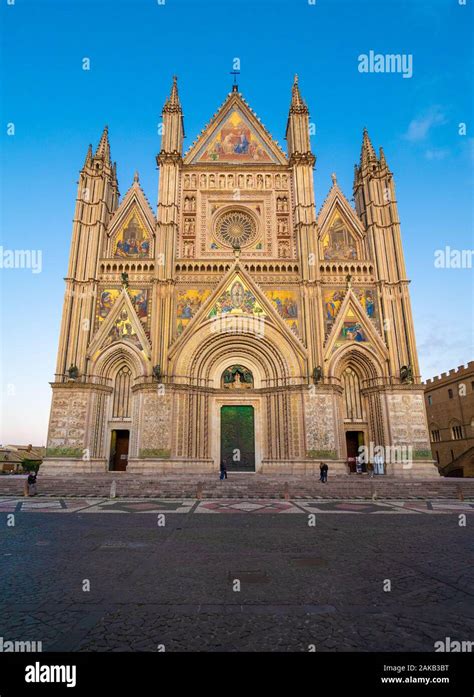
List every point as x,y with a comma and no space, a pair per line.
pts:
236,582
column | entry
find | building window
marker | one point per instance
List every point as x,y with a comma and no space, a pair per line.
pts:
435,437
430,400
450,394
121,406
456,432
352,398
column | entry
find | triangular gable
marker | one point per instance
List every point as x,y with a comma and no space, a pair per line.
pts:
352,325
235,135
121,324
238,295
131,229
336,201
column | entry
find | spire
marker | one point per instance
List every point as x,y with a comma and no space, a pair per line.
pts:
103,149
297,102
382,160
173,103
367,153
88,159
136,178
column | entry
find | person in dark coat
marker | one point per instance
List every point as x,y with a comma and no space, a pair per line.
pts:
223,468
324,473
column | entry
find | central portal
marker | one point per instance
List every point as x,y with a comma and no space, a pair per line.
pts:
238,438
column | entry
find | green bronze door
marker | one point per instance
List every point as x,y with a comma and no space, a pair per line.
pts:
238,438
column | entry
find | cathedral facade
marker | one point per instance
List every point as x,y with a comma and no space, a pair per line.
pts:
238,322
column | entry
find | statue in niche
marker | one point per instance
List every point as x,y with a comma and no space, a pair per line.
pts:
237,377
406,375
317,374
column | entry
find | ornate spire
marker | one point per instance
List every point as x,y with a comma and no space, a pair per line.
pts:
103,149
367,153
297,102
173,103
88,159
382,160
136,178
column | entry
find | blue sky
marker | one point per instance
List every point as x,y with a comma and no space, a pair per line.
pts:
136,46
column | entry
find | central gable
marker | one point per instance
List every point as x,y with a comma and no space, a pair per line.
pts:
235,136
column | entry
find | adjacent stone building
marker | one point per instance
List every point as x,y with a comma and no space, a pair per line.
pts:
449,402
236,322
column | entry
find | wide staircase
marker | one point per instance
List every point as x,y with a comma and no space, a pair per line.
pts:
242,486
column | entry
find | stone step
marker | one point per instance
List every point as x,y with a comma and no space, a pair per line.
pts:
240,486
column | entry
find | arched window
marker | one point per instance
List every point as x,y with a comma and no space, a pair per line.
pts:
352,396
456,431
121,405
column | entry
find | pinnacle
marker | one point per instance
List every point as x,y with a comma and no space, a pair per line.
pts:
173,103
367,153
297,102
103,149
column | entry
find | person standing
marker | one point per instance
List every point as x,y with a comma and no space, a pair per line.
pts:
223,470
324,473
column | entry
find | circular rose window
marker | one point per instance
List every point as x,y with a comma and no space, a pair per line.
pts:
236,228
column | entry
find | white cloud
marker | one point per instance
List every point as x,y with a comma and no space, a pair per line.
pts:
436,153
420,127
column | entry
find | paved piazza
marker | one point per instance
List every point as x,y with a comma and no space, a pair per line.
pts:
258,577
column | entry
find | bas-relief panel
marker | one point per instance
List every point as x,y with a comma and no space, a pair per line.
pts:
156,415
188,303
408,421
68,419
319,422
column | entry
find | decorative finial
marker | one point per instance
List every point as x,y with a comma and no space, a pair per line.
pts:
136,178
349,281
334,178
296,79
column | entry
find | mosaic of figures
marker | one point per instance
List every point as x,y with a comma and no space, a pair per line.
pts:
237,180
139,298
286,304
237,299
338,242
235,141
188,303
333,298
133,240
122,330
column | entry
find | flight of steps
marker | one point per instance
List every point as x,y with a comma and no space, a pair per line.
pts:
241,486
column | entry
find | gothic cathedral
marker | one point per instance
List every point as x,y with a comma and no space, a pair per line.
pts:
238,323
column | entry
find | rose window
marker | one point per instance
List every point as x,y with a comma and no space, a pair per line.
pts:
236,228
